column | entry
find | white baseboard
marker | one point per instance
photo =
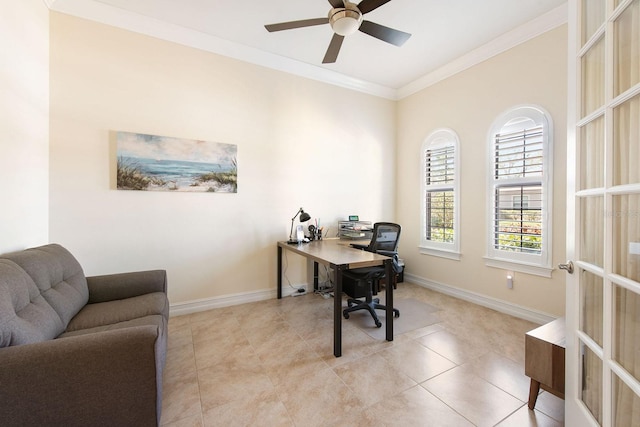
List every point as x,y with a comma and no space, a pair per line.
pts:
515,310
195,306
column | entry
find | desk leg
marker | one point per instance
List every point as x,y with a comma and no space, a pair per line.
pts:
337,310
279,281
389,299
315,276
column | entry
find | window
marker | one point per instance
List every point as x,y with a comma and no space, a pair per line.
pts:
440,180
520,201
520,204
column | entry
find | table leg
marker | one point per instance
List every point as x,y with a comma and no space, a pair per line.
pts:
389,299
315,276
337,310
534,389
279,281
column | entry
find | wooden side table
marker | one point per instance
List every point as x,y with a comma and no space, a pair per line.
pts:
544,359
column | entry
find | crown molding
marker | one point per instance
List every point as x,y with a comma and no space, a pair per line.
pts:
526,32
120,18
99,12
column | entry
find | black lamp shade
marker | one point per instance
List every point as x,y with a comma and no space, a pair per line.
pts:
304,217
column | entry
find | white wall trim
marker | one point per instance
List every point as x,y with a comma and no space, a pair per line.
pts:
526,32
195,306
515,310
120,18
109,15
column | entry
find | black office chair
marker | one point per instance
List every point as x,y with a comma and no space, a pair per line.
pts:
362,282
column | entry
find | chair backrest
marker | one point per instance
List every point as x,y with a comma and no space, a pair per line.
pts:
385,237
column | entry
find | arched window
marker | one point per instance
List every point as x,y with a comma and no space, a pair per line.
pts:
440,194
520,188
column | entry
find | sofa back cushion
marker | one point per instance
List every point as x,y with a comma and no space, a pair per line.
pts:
41,289
25,316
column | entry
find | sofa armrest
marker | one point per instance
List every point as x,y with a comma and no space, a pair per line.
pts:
126,285
105,378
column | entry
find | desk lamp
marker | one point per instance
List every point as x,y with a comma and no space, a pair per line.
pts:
304,217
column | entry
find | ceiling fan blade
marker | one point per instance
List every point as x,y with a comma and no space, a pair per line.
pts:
333,50
296,24
386,34
336,3
367,6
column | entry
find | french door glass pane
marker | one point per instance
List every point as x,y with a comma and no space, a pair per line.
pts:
591,382
626,149
591,292
626,404
626,236
626,345
627,48
593,78
591,154
592,230
592,18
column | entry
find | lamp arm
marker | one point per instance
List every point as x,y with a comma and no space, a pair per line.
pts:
293,219
297,213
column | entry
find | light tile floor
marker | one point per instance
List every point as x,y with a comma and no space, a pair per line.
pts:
271,364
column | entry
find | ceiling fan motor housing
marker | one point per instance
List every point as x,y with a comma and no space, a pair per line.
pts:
345,21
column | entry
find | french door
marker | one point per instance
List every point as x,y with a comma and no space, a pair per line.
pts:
603,208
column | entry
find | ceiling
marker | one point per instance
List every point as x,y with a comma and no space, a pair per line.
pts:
446,34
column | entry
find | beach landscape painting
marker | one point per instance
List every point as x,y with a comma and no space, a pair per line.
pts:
162,163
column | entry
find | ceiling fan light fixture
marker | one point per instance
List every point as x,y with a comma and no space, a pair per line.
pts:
345,22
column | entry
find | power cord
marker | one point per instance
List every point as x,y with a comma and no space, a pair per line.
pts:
325,288
299,290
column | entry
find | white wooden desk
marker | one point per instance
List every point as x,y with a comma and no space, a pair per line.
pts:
340,257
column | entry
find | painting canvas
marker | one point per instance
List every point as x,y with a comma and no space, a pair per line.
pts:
161,163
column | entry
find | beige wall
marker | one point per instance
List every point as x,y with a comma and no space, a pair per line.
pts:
24,124
532,73
300,143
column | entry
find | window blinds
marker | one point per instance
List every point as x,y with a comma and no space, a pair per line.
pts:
440,165
519,154
440,174
518,172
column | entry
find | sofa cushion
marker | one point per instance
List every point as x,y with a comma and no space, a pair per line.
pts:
25,316
58,276
114,312
154,320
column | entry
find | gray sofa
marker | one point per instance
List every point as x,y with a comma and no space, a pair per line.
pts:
76,350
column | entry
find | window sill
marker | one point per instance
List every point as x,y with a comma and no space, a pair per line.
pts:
441,253
520,267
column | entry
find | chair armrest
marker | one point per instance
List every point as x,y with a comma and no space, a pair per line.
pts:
393,254
126,285
95,379
359,246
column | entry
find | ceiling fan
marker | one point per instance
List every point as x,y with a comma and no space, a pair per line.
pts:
345,18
